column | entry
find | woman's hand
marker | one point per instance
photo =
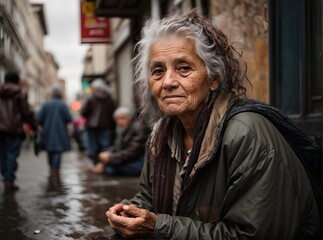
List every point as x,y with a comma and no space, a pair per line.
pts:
130,221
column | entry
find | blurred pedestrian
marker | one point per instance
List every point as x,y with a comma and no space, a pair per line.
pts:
126,157
100,126
14,111
54,118
219,166
79,132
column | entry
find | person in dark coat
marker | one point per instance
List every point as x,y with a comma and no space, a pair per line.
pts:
14,111
126,157
54,118
98,111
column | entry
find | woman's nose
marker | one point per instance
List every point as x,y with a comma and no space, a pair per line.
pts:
170,79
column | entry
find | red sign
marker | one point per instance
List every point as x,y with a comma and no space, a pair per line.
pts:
93,29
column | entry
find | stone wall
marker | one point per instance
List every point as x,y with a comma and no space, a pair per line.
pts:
245,23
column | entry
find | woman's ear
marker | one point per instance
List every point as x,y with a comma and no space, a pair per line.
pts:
214,85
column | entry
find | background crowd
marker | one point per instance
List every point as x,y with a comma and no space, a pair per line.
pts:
113,138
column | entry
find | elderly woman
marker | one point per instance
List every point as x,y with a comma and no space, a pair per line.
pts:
209,173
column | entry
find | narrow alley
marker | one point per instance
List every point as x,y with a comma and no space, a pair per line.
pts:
71,208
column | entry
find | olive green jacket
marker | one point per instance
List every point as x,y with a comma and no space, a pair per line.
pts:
250,185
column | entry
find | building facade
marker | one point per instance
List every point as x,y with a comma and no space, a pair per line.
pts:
35,65
99,63
13,32
50,74
22,30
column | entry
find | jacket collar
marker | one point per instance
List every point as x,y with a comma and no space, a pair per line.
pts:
210,141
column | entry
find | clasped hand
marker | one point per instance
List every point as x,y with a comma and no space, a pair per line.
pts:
130,221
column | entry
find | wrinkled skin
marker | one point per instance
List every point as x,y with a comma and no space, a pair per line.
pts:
177,78
130,221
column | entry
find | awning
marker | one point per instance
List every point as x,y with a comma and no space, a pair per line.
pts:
121,8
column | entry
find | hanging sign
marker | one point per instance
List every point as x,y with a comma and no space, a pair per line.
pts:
93,29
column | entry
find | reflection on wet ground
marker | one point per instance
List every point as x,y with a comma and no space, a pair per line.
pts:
72,206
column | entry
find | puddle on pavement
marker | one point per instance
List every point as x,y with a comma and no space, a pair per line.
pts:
71,207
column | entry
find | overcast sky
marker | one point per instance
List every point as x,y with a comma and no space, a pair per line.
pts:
63,41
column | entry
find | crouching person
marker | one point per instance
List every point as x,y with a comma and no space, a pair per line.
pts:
126,157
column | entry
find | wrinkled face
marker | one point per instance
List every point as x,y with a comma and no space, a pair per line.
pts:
177,77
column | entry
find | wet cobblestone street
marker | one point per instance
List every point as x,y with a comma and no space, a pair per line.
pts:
71,207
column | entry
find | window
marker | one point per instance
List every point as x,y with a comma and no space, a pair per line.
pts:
295,36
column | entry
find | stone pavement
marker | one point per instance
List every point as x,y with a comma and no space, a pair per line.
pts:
72,207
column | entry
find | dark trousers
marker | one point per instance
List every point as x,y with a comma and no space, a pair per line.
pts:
10,144
98,140
132,168
54,159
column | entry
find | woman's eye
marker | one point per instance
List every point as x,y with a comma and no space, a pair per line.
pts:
184,69
157,72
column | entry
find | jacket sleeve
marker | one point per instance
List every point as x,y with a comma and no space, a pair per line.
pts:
135,146
263,192
86,109
143,199
27,113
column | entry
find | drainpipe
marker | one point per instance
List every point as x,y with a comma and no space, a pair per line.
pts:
155,11
198,5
